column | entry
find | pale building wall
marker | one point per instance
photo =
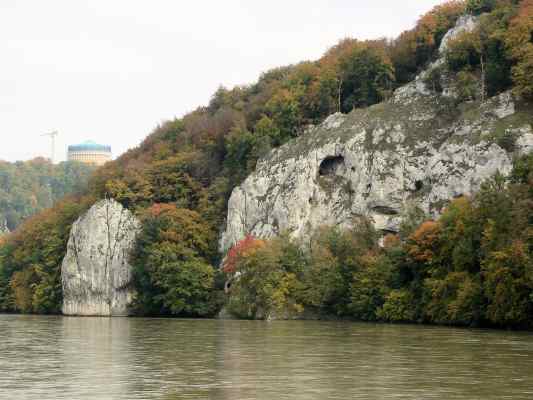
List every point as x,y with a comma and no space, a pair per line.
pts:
90,157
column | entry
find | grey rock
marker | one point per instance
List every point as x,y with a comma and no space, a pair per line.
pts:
415,150
524,142
96,274
4,230
465,23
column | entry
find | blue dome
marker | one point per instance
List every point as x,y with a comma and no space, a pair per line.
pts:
89,145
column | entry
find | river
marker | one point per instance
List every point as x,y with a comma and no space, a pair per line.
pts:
52,357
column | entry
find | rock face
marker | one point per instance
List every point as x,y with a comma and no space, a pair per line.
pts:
4,230
419,149
96,274
465,23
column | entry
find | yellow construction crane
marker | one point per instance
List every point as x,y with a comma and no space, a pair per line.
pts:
52,136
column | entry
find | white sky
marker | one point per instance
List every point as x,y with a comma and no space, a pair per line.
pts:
111,70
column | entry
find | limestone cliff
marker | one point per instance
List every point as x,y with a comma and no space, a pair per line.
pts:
96,274
418,149
4,230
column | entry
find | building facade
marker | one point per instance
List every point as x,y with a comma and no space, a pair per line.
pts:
90,153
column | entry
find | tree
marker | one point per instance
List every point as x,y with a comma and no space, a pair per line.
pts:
508,286
284,110
241,249
518,40
31,257
172,274
239,160
366,76
29,187
476,7
265,287
370,287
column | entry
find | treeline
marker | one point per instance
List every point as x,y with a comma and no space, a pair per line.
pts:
178,181
472,267
29,187
31,257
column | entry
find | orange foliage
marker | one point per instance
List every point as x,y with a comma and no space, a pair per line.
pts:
161,208
521,28
241,249
423,240
391,240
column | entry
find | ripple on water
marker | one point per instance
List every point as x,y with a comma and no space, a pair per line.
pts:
134,358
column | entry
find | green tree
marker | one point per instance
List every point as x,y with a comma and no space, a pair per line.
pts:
367,78
265,283
172,273
30,259
476,7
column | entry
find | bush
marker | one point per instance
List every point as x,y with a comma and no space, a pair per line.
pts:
398,307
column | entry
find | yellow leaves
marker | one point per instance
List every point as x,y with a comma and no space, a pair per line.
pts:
21,283
281,294
520,28
519,42
523,72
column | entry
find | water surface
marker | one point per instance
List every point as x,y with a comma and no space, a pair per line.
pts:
132,358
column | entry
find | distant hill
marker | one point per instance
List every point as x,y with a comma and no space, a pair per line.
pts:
27,187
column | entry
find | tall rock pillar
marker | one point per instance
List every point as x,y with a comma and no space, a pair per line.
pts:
96,274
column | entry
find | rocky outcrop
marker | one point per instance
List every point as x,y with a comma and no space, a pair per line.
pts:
4,230
465,23
96,274
419,149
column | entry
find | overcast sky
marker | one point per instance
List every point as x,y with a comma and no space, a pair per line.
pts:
111,70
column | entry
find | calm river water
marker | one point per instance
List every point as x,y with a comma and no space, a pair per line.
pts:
129,358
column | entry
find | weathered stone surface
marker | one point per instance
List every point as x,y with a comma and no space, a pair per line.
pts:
4,230
416,150
96,274
465,23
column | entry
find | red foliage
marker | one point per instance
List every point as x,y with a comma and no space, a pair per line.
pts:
240,249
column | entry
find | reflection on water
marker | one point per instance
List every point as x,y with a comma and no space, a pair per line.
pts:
128,358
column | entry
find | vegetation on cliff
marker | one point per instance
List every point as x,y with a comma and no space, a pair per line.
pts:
180,178
473,266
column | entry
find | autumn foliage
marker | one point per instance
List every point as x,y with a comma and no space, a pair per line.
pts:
423,241
242,248
471,267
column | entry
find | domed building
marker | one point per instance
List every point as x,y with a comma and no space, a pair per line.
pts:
89,152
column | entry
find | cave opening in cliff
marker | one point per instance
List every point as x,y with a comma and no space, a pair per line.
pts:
330,165
419,185
385,210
